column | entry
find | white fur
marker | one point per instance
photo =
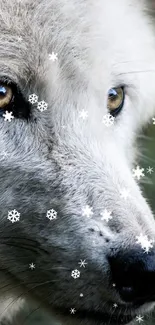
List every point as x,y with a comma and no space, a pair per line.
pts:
100,44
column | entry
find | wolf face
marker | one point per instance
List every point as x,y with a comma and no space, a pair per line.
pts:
82,60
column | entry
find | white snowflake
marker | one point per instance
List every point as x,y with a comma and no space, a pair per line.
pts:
115,305
20,38
5,154
82,263
51,214
87,211
83,114
8,116
150,170
32,266
145,243
42,106
53,56
75,274
33,99
138,172
73,311
153,119
124,194
108,120
139,319
13,216
81,295
114,285
106,215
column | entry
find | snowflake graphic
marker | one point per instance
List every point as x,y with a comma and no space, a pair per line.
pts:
139,319
53,56
32,266
73,311
5,155
124,194
75,274
82,263
83,114
138,172
51,214
153,119
108,120
8,116
42,106
115,305
33,99
106,215
87,211
150,170
13,216
20,38
145,243
81,295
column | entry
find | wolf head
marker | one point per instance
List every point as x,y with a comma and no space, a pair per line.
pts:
76,233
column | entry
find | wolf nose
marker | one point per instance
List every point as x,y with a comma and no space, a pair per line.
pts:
133,274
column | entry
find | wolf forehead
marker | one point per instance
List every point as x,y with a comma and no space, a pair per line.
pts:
88,31
21,42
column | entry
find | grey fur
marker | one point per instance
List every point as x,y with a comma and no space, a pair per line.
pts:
100,44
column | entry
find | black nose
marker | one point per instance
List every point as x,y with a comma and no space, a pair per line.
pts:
133,274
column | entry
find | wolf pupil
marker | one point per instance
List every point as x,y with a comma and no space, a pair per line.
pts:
112,93
3,91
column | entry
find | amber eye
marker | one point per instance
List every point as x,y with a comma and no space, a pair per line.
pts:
6,95
115,100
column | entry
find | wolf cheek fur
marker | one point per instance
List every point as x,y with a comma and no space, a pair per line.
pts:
58,161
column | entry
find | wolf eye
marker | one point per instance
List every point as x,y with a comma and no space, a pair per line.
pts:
6,95
13,100
115,100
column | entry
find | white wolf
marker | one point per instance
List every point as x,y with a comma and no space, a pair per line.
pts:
60,149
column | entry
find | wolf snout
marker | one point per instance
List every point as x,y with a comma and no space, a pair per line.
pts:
133,274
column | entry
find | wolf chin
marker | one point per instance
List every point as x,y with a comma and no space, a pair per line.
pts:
55,159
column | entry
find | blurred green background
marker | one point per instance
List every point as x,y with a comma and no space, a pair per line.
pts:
146,144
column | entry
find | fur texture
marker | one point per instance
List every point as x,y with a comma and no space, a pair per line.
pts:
57,161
